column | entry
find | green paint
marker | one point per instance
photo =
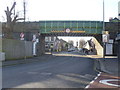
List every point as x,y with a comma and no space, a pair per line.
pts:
92,27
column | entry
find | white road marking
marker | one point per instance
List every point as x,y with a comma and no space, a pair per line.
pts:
106,82
96,78
93,80
87,86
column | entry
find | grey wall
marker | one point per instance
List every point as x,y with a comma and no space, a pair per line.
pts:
2,55
0,37
16,49
118,53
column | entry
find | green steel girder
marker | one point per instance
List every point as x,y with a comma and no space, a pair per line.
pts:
88,27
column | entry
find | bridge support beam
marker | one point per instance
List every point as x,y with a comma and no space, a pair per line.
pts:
99,38
41,46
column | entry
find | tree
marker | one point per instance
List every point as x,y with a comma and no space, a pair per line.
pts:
81,43
10,21
66,46
70,44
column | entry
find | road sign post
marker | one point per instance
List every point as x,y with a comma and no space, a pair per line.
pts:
118,39
105,39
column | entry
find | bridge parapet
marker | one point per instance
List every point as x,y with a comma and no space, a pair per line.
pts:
98,47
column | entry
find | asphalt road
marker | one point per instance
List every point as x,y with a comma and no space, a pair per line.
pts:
64,70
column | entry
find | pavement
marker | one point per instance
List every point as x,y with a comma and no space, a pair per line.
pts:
109,64
24,61
109,73
29,60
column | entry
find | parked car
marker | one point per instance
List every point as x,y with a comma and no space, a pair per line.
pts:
80,49
84,50
71,49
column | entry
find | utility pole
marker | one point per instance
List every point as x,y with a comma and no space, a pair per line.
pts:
24,6
103,16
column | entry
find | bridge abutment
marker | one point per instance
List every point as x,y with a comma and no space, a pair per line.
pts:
41,45
99,38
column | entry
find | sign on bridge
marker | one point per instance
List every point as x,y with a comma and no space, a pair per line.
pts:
67,30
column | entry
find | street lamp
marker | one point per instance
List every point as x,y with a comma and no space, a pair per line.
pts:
103,29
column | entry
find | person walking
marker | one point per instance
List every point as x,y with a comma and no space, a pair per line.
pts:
51,47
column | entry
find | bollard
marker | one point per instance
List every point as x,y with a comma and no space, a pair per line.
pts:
118,40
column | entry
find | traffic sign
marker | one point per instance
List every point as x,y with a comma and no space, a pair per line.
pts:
67,30
22,36
105,37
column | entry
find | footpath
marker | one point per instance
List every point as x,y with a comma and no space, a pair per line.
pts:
24,61
109,73
41,58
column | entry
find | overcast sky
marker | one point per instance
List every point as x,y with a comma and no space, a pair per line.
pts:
62,9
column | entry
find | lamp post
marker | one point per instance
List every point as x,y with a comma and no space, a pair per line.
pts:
103,16
103,29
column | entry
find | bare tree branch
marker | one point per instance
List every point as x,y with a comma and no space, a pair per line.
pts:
11,21
13,6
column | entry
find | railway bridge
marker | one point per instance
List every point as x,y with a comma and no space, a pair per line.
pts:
69,28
